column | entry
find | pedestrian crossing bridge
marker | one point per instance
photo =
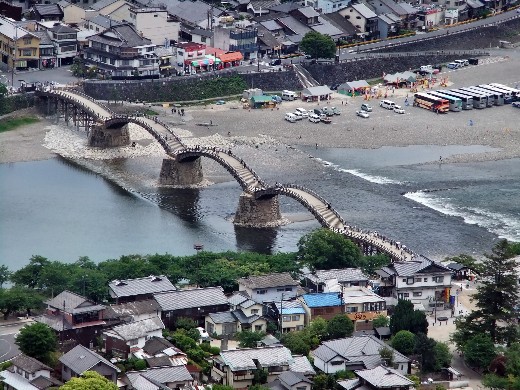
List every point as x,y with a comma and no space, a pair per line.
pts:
258,204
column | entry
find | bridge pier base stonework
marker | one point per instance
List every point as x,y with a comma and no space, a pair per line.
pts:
186,173
103,137
253,212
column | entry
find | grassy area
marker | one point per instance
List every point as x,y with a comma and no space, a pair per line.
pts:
150,112
13,123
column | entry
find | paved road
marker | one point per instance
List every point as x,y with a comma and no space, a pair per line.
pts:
8,349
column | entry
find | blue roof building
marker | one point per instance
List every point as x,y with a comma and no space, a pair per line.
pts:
322,299
325,305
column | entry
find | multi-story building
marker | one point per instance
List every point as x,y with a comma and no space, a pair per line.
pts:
362,305
243,40
130,290
155,24
270,287
27,373
421,281
325,305
318,280
64,40
19,48
327,6
364,19
120,51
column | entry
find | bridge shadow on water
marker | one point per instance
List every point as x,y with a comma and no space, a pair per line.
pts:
260,240
183,202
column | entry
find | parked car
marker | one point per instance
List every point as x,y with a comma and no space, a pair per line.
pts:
314,118
452,65
336,111
388,104
220,102
203,334
328,111
325,119
290,117
398,109
366,107
302,111
276,61
298,115
515,104
318,111
362,114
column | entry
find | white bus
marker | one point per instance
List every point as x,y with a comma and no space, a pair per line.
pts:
455,102
508,96
467,101
514,91
497,97
479,101
489,96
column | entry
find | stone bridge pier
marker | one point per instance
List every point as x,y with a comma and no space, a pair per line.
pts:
251,212
106,137
187,172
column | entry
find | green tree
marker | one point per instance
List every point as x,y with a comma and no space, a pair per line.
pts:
495,299
38,341
4,271
370,264
318,45
479,351
258,387
3,90
443,356
425,348
493,381
29,275
512,355
404,342
186,323
18,299
324,382
406,318
387,355
260,377
325,249
339,326
248,339
380,321
89,380
318,328
296,342
467,261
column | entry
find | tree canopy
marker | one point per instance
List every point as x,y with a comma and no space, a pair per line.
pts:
18,299
37,340
325,249
479,351
495,299
339,326
248,339
404,342
318,45
90,380
406,318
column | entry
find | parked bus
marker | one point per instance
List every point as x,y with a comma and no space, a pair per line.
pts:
479,101
494,99
514,91
467,101
499,95
455,102
490,99
430,102
508,96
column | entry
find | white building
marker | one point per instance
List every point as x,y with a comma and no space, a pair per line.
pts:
154,24
270,287
327,6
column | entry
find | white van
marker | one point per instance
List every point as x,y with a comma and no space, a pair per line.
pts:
462,63
288,95
290,117
452,65
388,104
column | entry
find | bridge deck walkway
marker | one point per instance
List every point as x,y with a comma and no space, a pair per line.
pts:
164,132
247,176
335,223
102,113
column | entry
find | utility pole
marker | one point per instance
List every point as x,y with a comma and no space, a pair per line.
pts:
281,314
14,54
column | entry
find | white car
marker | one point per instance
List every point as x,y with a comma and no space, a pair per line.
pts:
515,104
398,109
314,118
203,334
304,113
362,114
298,115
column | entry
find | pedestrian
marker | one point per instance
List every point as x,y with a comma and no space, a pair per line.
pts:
316,146
471,122
211,122
173,110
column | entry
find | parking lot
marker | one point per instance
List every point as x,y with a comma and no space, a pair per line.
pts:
495,126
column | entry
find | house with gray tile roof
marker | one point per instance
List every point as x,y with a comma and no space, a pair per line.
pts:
270,287
327,6
138,289
377,378
236,367
121,339
47,12
27,373
422,281
354,353
69,311
80,359
132,311
159,378
347,277
288,380
191,303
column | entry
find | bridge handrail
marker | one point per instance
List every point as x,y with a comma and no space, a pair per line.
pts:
244,164
71,99
84,95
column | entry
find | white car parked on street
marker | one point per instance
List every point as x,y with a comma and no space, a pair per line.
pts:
314,118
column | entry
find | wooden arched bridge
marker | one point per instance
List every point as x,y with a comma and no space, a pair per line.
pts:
258,205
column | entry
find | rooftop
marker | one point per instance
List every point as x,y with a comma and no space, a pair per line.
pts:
135,330
322,299
269,280
73,303
47,9
384,377
140,286
343,275
244,359
185,299
130,309
158,375
29,364
80,359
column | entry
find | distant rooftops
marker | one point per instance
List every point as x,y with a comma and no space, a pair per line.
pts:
140,286
269,280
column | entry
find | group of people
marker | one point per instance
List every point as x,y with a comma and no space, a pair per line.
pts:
180,111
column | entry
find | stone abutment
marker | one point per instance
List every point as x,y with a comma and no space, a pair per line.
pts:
253,212
181,174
